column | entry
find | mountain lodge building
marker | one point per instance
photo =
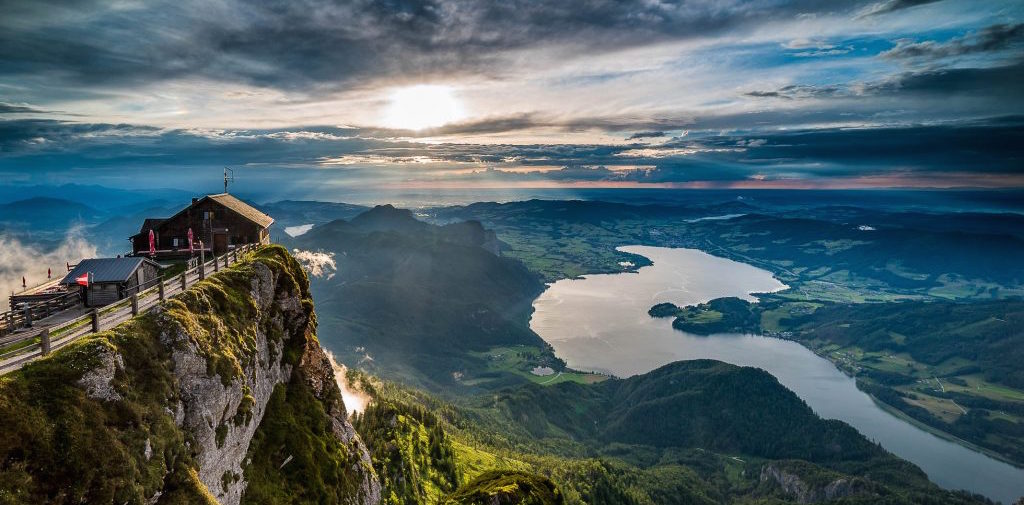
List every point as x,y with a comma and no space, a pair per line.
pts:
219,221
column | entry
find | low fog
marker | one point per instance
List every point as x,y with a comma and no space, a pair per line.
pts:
355,400
18,259
317,264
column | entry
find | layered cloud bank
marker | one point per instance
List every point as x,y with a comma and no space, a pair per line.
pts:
796,93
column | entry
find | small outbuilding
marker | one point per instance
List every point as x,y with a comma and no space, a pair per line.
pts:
112,279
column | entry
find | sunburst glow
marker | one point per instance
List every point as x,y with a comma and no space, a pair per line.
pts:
423,106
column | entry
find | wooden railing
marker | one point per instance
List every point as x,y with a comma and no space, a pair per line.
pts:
26,344
22,317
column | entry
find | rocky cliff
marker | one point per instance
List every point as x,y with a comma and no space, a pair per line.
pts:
222,395
808,491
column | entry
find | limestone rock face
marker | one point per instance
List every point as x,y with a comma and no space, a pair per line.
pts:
98,382
792,484
202,400
223,418
319,374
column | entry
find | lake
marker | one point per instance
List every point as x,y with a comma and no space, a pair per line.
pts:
600,323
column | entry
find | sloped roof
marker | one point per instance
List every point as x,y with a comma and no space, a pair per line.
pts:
246,210
228,201
107,269
151,223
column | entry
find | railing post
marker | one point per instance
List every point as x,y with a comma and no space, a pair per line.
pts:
235,254
135,304
216,265
28,316
95,320
226,260
160,288
202,271
184,280
44,338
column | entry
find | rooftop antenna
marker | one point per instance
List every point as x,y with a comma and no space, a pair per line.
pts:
228,178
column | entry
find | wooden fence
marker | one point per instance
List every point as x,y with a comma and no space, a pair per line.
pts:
22,345
15,319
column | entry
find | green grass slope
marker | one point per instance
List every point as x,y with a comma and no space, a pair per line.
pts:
60,445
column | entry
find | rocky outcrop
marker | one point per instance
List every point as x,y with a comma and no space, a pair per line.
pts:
168,407
98,381
793,485
222,415
319,375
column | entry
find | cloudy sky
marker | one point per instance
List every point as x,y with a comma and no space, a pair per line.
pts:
516,93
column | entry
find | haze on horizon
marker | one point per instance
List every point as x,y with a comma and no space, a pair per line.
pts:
461,94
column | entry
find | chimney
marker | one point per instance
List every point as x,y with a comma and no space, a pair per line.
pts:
194,200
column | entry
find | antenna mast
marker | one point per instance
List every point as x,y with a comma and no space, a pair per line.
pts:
227,178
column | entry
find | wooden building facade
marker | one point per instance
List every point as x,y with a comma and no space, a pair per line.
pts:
220,222
113,279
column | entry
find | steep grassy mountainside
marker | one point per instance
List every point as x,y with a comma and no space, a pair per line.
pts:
697,432
221,395
417,302
954,366
700,403
508,487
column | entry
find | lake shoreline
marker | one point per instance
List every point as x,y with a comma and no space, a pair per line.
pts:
599,322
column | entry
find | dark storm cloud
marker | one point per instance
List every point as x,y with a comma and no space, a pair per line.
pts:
10,108
798,91
651,126
646,135
893,6
992,38
49,145
998,86
984,146
302,45
767,94
995,83
989,146
52,147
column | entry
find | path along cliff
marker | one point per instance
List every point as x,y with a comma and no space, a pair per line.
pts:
221,395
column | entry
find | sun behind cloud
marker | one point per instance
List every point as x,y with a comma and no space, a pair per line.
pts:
423,106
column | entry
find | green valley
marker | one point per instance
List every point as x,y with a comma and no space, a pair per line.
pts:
953,366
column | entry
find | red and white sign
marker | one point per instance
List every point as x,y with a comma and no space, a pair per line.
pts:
84,279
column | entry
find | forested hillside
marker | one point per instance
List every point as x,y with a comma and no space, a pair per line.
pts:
413,301
691,432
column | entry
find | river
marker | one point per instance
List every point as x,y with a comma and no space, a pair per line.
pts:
600,323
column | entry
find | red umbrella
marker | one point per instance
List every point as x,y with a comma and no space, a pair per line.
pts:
190,250
152,243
